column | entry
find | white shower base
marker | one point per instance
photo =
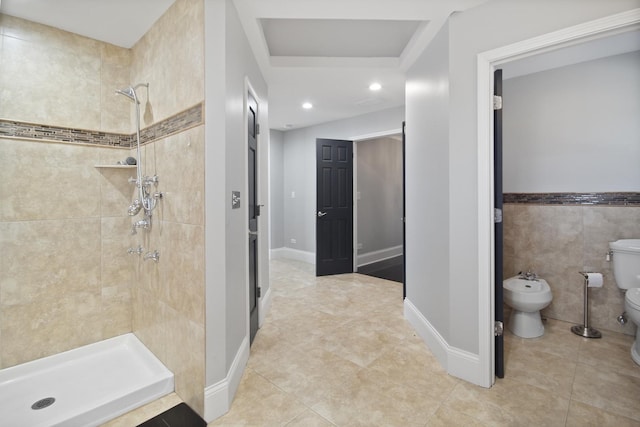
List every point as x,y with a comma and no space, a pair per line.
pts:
90,384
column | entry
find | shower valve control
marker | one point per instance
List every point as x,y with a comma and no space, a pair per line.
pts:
135,251
155,256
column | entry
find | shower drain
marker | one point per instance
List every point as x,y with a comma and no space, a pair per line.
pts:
43,403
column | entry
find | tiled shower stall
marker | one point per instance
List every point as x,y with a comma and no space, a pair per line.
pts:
66,278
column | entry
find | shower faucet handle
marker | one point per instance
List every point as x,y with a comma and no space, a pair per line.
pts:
155,256
135,251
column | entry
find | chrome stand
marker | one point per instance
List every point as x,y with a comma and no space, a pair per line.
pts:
585,330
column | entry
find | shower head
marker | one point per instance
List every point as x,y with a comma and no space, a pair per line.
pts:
135,207
130,93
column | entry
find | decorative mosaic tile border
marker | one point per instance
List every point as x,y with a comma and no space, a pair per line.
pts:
606,199
174,124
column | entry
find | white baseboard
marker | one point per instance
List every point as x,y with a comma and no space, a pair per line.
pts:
456,362
264,307
380,255
218,397
295,254
436,343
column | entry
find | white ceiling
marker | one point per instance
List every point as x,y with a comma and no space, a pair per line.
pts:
119,22
326,52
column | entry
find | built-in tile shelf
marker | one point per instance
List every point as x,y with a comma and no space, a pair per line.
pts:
115,166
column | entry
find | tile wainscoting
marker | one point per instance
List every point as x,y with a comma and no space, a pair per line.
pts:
560,234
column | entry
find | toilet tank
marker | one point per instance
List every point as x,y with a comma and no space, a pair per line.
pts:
626,262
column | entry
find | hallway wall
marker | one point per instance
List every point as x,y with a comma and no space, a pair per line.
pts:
230,68
379,188
300,169
276,188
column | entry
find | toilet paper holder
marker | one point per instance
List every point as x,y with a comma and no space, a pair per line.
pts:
585,330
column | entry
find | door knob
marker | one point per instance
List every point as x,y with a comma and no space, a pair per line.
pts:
321,214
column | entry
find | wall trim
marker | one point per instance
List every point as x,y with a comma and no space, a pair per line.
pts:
179,122
456,362
218,396
430,335
575,199
295,254
379,255
264,307
486,63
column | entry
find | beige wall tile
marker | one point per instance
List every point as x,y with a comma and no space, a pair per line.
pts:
172,51
116,111
48,326
185,358
47,36
40,261
560,241
49,85
40,180
116,311
182,270
182,181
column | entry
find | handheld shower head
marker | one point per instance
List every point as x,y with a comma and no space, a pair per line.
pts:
130,93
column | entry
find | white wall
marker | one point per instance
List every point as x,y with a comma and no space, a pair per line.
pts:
379,185
300,169
276,188
427,187
228,62
574,128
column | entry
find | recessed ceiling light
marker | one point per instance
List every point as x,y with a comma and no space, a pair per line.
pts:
375,86
307,105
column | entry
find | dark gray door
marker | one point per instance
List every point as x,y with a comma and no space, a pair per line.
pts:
254,211
497,185
334,207
404,213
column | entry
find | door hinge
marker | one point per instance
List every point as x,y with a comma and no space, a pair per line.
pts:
497,215
498,328
259,292
497,102
259,209
257,128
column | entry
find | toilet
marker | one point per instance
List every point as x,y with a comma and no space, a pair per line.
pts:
626,270
526,294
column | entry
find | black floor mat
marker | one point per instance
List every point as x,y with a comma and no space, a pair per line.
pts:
390,269
178,416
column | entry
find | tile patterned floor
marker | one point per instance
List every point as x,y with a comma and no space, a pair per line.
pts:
336,351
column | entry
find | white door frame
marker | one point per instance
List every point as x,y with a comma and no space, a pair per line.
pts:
487,62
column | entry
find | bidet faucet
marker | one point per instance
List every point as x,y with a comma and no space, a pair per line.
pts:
529,275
